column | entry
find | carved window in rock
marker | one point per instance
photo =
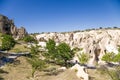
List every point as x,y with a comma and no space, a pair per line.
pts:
90,51
7,27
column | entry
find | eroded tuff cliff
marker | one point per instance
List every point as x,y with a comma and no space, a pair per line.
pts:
94,42
7,26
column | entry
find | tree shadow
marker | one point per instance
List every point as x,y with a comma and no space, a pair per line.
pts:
91,78
2,72
2,78
52,72
112,65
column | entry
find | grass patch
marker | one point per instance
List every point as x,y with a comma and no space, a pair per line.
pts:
19,48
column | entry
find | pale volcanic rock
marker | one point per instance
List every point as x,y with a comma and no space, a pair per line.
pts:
80,71
94,42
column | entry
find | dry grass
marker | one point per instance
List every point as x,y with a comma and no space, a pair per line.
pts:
97,75
66,75
23,70
19,48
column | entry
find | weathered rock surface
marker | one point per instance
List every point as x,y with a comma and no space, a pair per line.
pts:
94,42
80,72
7,26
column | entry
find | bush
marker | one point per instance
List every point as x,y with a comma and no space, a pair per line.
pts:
8,42
83,58
108,57
29,39
117,58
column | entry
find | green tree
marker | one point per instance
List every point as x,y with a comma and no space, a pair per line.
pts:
35,61
83,58
64,54
8,42
51,47
37,64
59,54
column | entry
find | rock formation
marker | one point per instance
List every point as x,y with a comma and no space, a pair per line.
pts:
94,42
81,73
7,27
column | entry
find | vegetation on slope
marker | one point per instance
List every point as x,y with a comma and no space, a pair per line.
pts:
59,54
83,58
8,42
34,60
109,58
29,39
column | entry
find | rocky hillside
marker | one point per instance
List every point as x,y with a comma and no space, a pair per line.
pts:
94,42
7,26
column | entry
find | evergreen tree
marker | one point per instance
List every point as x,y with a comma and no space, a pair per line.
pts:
64,54
51,48
35,61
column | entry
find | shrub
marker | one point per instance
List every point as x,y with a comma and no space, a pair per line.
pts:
83,58
8,42
108,57
117,58
29,39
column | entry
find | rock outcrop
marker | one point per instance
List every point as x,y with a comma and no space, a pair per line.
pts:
80,72
94,42
7,26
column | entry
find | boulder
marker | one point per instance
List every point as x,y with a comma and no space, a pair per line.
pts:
81,73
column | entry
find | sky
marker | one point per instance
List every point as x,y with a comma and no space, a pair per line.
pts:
61,15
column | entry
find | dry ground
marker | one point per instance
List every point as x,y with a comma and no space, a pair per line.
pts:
23,70
97,75
17,72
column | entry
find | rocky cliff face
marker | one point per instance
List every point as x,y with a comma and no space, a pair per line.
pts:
94,42
7,27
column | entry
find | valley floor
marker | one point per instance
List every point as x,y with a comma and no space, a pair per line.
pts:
23,71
